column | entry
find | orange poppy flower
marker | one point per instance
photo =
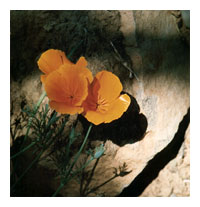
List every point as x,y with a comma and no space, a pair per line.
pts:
67,87
51,60
104,102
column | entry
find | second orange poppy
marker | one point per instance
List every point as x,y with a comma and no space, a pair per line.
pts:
104,102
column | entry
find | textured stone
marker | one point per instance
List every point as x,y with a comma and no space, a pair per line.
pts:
152,47
128,28
162,93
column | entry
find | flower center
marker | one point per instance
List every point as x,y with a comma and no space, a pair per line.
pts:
70,99
102,105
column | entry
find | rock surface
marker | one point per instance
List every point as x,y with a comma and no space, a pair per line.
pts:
149,44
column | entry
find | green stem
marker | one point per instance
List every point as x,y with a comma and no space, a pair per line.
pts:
23,150
36,107
79,170
80,150
32,163
75,160
62,184
39,101
58,189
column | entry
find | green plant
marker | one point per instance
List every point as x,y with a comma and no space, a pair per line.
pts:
46,127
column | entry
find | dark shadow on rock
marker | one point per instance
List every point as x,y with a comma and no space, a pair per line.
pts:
41,30
130,128
160,160
161,54
35,184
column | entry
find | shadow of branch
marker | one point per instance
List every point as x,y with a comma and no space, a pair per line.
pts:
160,160
120,172
83,188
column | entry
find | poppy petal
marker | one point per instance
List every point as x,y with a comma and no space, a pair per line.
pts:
115,111
94,117
54,87
64,108
110,86
76,83
51,60
66,85
117,108
81,67
82,62
92,99
43,78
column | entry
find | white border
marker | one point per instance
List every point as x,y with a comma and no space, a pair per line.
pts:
5,98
